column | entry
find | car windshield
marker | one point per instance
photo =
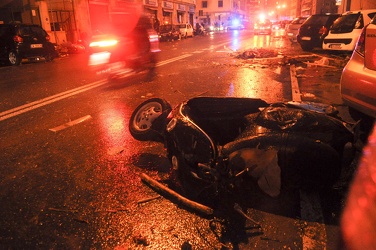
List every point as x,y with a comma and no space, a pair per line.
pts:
317,20
346,23
298,20
373,21
165,28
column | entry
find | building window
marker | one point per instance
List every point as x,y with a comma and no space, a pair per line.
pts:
204,4
220,4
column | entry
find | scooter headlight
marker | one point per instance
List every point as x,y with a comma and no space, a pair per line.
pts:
171,125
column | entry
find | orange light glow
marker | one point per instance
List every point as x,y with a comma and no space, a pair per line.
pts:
104,43
114,126
99,58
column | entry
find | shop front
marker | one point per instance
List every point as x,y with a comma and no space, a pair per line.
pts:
167,12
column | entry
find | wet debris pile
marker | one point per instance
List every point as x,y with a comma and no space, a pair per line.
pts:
256,53
271,57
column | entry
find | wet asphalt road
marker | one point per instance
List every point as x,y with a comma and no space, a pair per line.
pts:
70,171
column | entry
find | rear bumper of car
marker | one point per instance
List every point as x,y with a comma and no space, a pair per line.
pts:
358,86
291,34
345,41
347,44
309,40
35,51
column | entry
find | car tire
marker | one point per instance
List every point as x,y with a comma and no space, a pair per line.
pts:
50,56
142,124
14,58
51,53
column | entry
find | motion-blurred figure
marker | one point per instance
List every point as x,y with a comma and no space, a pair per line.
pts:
358,222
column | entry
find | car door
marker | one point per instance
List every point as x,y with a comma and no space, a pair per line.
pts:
190,30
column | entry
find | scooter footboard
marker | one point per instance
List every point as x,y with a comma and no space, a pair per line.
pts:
223,118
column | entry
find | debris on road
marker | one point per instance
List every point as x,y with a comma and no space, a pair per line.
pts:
257,53
148,199
167,191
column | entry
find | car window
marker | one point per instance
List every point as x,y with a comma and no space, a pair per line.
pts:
317,20
371,15
347,23
298,20
373,21
38,31
182,26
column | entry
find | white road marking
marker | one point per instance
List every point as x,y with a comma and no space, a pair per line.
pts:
51,99
48,100
296,96
71,123
314,233
173,59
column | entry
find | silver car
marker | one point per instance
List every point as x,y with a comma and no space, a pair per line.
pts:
186,30
293,28
358,80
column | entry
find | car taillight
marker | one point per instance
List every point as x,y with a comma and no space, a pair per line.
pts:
360,45
323,30
369,46
104,43
17,39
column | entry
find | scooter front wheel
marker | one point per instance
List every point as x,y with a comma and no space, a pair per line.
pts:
142,123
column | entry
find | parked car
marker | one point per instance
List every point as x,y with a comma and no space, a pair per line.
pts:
313,31
169,32
24,41
293,27
358,79
346,29
262,27
186,30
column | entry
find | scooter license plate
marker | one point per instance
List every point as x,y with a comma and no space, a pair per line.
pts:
99,58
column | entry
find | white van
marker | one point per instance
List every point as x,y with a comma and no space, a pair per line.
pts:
344,32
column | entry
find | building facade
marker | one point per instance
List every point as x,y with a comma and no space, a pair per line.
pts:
70,20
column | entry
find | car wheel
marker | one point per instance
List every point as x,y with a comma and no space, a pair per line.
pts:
14,58
142,123
50,57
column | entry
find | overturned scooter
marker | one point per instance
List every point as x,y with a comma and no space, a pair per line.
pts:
227,143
